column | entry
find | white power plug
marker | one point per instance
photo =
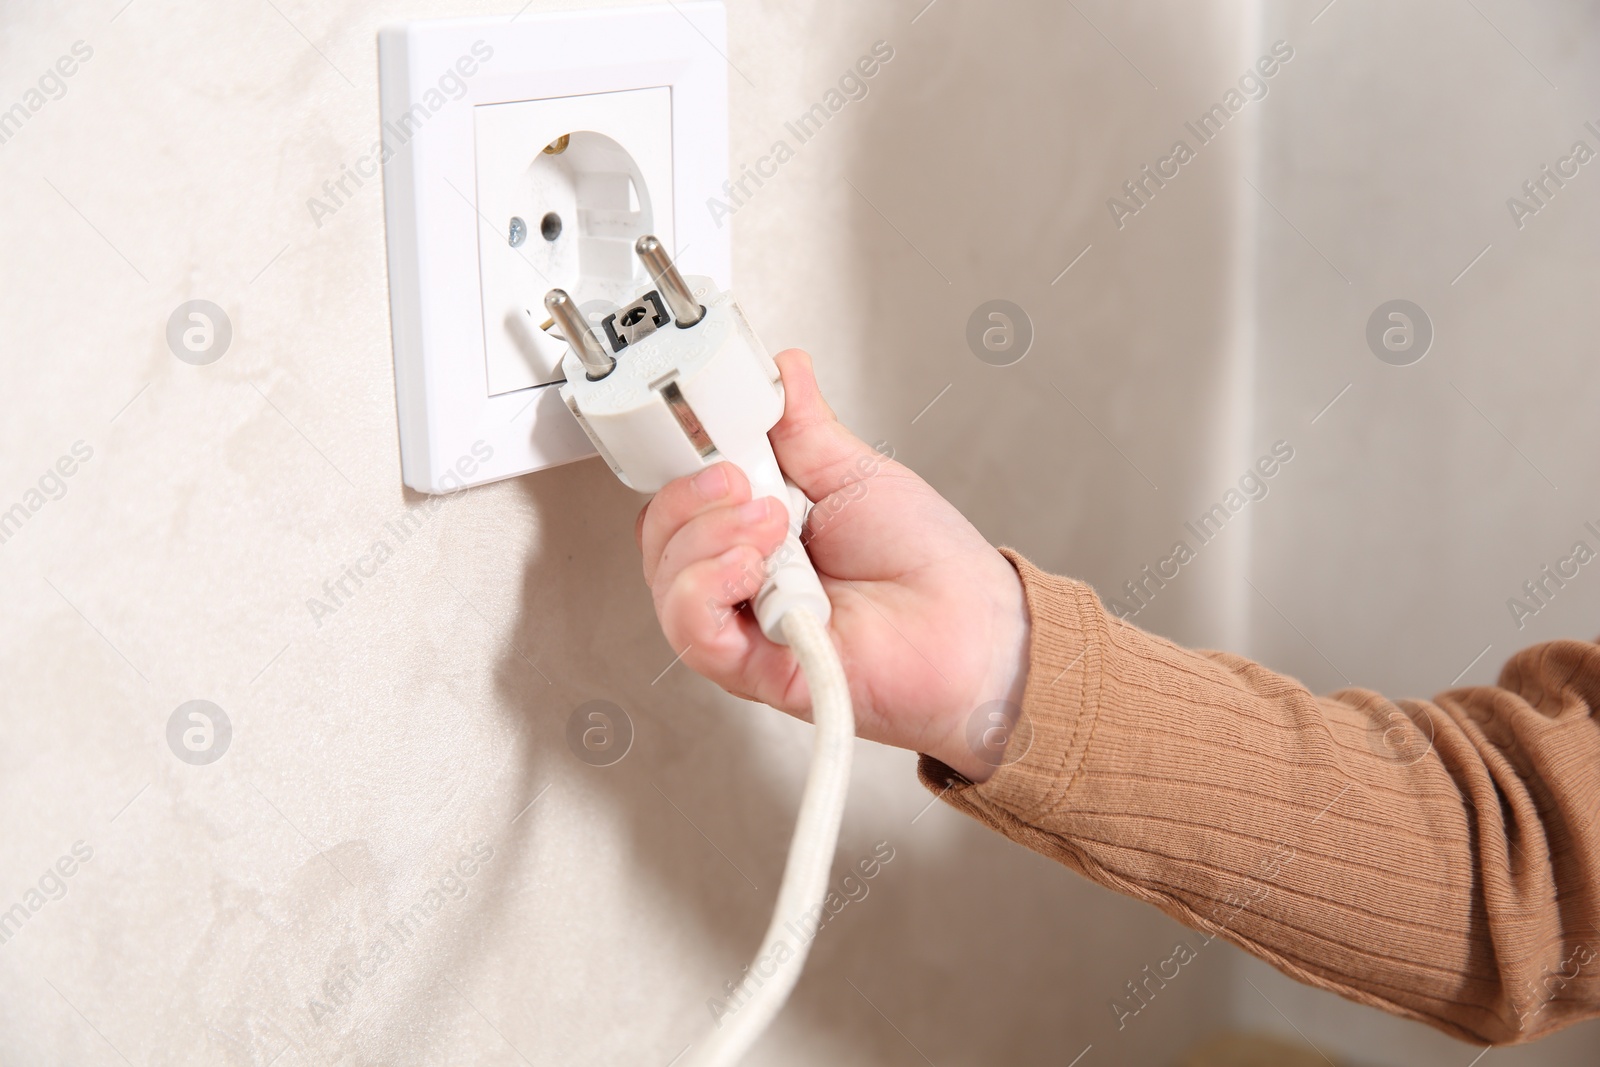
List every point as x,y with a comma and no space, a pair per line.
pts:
678,382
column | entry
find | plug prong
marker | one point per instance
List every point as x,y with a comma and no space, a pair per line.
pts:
686,310
596,360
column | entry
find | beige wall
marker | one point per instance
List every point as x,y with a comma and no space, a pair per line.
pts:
1408,518
423,716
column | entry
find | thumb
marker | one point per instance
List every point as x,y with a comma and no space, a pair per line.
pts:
812,445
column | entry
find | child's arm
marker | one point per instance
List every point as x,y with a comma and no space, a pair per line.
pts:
1440,860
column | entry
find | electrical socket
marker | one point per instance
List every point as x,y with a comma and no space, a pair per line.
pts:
562,209
641,95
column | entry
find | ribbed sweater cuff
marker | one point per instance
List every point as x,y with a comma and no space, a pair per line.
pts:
1059,704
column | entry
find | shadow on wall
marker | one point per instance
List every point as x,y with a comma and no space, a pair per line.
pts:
977,949
981,166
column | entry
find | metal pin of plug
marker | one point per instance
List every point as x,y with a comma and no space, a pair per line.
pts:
596,360
686,310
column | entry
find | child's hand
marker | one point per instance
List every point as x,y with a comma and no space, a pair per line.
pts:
928,617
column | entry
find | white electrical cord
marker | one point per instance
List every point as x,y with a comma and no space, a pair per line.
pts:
816,832
664,396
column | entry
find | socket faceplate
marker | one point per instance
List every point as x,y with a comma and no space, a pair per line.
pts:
458,393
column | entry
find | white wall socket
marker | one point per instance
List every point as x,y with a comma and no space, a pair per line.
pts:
593,198
632,103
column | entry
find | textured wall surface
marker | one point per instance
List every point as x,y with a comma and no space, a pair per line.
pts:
419,731
421,718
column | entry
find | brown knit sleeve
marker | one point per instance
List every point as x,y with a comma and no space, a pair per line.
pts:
1439,860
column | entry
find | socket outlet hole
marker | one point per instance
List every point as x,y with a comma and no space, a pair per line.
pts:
593,196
